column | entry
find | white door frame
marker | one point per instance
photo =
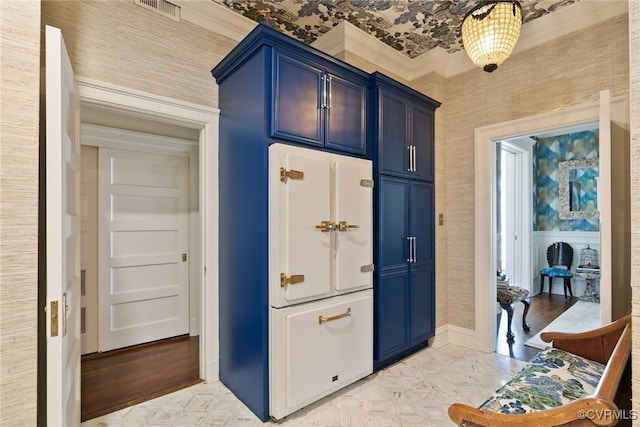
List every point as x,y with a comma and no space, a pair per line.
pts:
205,119
521,148
485,205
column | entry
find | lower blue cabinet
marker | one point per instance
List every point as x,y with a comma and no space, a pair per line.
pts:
405,274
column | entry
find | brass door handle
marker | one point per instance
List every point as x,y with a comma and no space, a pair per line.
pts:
322,319
291,280
325,226
343,226
290,174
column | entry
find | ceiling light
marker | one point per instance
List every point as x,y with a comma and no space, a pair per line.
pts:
490,32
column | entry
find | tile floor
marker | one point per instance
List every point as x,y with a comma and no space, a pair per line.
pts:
414,392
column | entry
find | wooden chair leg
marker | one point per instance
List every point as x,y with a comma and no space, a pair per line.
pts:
567,284
509,310
542,284
525,325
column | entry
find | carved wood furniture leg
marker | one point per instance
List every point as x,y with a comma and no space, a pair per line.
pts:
509,310
526,304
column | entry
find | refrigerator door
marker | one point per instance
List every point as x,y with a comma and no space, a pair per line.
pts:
318,348
353,216
299,182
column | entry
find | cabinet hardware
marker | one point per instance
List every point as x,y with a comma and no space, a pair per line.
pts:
413,159
329,91
54,318
410,159
325,226
412,249
292,174
323,104
322,319
366,268
366,183
184,257
291,280
343,226
415,252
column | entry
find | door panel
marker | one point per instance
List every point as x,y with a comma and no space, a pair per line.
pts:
394,223
346,119
296,112
353,205
62,235
422,222
318,348
391,322
422,303
299,204
144,281
422,139
393,134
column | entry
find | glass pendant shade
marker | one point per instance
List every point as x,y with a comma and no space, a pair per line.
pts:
490,32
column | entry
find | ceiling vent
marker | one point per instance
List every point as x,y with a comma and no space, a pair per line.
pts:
162,7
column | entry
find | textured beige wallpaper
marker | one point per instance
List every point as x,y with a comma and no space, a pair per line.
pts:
634,85
118,42
567,71
20,83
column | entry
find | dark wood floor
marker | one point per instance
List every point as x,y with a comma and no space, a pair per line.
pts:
118,379
544,309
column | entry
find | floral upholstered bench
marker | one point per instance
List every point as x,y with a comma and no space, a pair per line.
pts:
573,383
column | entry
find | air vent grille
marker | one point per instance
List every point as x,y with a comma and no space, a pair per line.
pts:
162,7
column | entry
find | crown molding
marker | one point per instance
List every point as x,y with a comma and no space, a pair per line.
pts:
212,16
347,37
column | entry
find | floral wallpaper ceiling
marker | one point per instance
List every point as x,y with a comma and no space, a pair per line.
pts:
412,27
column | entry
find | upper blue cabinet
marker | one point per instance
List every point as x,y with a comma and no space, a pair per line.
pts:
305,96
316,104
403,130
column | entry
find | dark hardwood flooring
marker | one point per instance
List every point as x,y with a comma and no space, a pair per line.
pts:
544,309
121,378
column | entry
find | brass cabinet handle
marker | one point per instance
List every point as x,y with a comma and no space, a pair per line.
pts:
291,280
325,226
322,319
292,174
343,226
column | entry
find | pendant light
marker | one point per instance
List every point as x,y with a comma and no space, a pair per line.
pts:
490,32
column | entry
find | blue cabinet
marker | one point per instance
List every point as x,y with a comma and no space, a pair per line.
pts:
404,291
404,130
318,104
404,288
271,89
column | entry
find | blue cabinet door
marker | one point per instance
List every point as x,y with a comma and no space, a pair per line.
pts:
422,304
316,105
393,133
346,114
297,100
422,136
404,290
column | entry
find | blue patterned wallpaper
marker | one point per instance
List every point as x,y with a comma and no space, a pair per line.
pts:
547,154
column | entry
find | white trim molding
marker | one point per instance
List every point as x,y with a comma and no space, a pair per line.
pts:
204,119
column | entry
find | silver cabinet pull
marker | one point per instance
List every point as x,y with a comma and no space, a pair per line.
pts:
322,319
413,159
412,249
415,252
410,160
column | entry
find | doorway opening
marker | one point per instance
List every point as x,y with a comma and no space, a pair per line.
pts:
486,202
105,105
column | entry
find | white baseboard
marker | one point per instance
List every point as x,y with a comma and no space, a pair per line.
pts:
452,334
212,372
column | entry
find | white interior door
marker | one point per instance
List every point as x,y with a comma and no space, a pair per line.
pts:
143,245
302,201
62,234
353,210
